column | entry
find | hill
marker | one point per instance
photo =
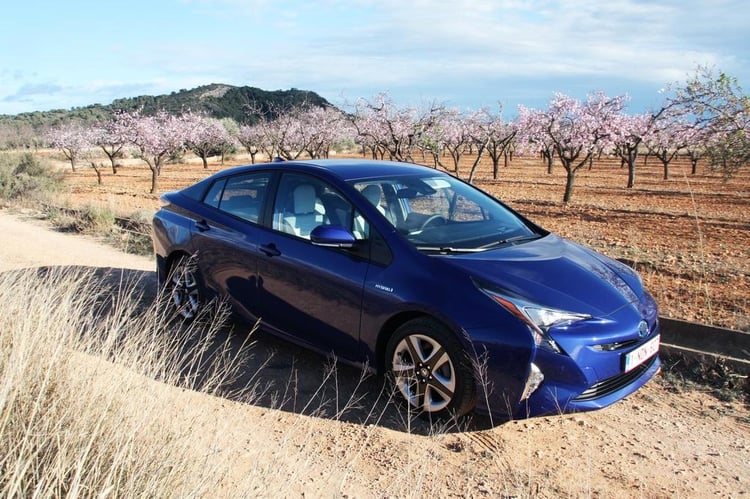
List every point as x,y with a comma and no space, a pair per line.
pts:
223,101
217,100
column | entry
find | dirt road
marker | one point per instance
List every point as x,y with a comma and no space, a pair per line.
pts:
656,443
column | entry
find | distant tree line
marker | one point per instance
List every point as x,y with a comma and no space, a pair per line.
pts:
706,118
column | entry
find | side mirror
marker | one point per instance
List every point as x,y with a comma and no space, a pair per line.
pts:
332,236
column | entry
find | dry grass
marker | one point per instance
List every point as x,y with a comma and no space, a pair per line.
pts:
75,420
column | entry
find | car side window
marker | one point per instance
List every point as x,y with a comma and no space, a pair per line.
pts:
304,202
243,195
213,196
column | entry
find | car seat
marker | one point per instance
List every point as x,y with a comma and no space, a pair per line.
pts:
306,212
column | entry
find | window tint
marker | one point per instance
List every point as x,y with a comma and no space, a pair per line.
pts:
305,202
213,196
243,195
436,211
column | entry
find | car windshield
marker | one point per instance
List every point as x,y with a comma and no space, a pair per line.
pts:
439,213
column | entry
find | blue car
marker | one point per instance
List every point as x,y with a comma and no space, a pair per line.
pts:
458,300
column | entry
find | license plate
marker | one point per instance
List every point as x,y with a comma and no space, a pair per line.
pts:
641,354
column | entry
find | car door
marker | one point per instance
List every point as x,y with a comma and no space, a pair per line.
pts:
227,238
310,293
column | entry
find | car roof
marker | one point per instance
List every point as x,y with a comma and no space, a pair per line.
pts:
347,169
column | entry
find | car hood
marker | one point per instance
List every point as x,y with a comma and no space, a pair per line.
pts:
556,273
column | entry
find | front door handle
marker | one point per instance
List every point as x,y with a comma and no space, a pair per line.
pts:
270,249
202,226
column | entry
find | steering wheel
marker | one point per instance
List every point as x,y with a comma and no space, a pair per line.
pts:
433,220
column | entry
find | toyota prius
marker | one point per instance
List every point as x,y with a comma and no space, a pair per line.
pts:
460,302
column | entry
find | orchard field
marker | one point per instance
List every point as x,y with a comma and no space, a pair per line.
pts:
688,236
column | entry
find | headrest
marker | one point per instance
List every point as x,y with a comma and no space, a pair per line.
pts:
304,199
372,193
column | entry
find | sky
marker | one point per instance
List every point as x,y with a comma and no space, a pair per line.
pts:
464,54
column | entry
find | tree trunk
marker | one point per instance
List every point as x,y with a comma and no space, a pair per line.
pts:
456,159
549,159
154,178
665,162
112,160
631,174
205,161
569,185
480,151
629,158
98,173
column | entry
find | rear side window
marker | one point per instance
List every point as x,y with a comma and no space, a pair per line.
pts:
213,196
241,195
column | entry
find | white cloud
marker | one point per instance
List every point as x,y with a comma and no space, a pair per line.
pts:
367,46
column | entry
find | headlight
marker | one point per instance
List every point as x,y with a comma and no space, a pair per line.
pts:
540,319
545,318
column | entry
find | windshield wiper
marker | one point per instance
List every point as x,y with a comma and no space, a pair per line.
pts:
511,240
448,250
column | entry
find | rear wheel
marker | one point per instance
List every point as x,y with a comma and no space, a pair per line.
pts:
431,370
183,287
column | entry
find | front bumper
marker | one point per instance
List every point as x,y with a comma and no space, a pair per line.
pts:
583,377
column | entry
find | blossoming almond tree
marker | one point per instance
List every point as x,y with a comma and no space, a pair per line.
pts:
386,128
500,135
669,135
205,136
323,127
252,139
156,138
717,106
73,139
577,130
628,133
112,137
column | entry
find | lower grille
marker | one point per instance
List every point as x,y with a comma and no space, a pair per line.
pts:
611,385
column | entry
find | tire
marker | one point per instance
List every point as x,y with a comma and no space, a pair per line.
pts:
431,370
184,288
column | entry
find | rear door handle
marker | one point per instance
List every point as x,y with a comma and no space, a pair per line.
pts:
270,249
202,226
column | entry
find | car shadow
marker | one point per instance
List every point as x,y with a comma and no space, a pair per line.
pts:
274,374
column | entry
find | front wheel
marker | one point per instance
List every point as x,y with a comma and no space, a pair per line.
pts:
431,370
183,287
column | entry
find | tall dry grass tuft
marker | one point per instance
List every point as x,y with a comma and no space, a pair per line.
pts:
74,357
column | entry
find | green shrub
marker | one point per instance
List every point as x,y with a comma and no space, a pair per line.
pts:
91,219
134,235
96,219
25,176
